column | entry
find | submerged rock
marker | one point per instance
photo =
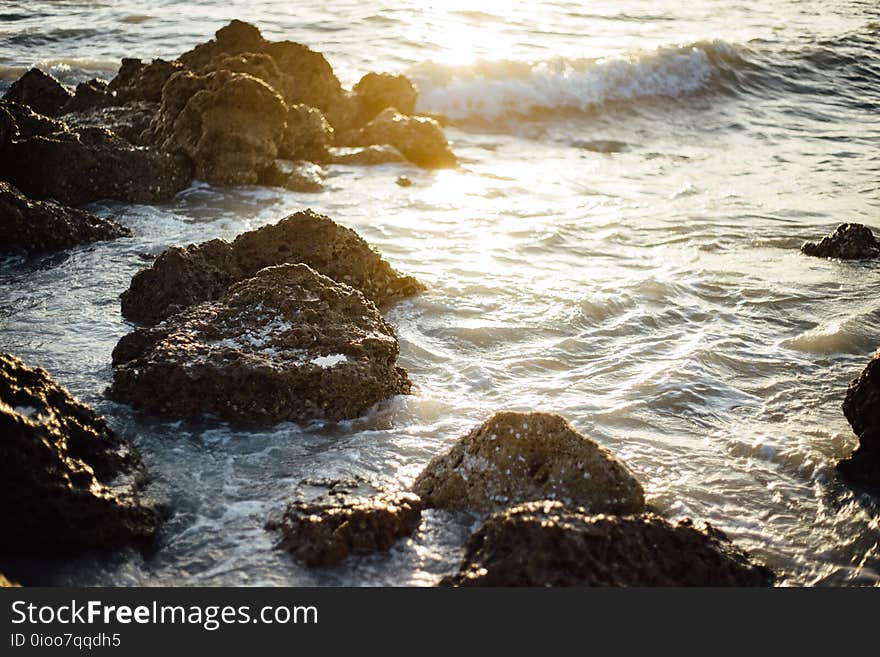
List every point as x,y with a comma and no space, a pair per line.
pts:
519,457
544,543
419,138
182,276
34,226
861,406
287,344
67,481
379,91
848,242
45,159
324,533
228,124
305,177
39,91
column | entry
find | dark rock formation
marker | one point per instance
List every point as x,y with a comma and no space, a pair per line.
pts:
34,226
325,533
45,159
182,276
367,156
90,95
40,91
228,124
848,242
67,482
6,583
139,82
308,135
232,39
546,544
519,457
861,406
287,344
419,138
379,91
130,121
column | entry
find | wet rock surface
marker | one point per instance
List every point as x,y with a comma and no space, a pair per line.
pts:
327,530
45,159
132,121
367,156
847,242
379,91
420,139
139,82
308,135
287,344
183,276
544,543
228,124
67,481
40,91
41,226
861,406
519,457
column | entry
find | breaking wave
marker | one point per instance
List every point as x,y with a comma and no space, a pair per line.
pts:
490,90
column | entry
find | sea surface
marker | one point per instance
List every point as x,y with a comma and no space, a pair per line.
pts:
619,245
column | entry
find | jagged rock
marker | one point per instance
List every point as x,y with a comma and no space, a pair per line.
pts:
6,583
848,242
90,95
308,135
861,406
379,91
419,138
324,533
258,65
183,276
235,38
519,457
287,344
129,121
67,481
138,82
307,77
39,91
228,124
367,156
544,543
45,159
305,177
34,226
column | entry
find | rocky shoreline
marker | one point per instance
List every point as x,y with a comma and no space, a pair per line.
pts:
285,323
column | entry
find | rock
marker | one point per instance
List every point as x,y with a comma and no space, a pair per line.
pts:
39,91
67,481
367,156
6,583
181,277
379,91
404,181
48,160
308,135
327,532
307,77
287,344
137,82
35,226
519,457
257,65
228,124
848,242
129,121
419,138
232,39
304,177
861,406
544,543
90,95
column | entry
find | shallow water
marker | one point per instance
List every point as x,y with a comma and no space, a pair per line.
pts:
619,245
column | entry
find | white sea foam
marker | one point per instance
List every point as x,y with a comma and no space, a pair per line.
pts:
489,90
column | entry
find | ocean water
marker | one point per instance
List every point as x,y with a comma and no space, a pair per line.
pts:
619,245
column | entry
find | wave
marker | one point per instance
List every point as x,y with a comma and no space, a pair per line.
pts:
491,90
